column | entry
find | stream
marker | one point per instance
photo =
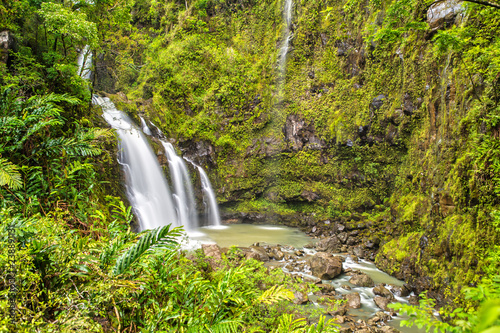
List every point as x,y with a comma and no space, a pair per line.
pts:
292,239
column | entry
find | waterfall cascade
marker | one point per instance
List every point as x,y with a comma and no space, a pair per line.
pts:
147,189
209,200
287,36
183,190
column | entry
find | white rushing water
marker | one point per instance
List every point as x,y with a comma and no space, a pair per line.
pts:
145,128
209,200
183,190
85,63
287,37
147,189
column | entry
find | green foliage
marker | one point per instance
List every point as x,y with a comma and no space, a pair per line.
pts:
161,237
486,320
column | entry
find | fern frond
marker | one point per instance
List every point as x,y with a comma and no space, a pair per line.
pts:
275,294
161,237
9,174
288,325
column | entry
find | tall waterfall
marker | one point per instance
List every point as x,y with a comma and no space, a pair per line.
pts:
147,189
287,36
211,207
85,63
183,190
146,186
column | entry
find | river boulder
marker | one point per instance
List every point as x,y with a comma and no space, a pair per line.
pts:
382,302
325,265
353,300
380,290
330,244
261,252
362,280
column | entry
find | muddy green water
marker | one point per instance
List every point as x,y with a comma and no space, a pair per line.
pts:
247,234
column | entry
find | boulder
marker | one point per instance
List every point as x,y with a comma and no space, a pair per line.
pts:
382,302
444,13
380,290
325,266
261,252
277,254
330,244
212,250
388,329
362,280
326,288
359,252
400,291
353,300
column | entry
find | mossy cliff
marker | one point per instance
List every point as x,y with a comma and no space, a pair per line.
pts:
387,120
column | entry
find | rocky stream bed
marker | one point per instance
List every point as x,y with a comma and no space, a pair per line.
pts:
349,287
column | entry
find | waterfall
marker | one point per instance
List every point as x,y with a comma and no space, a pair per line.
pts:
287,37
211,207
183,190
145,128
85,63
147,189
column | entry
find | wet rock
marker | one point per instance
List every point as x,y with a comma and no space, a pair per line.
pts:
339,319
400,291
300,297
353,300
444,13
252,255
382,302
330,244
312,280
355,259
325,266
212,250
346,287
299,253
343,237
380,290
277,254
263,256
326,288
388,329
351,241
359,252
362,280
372,243
337,310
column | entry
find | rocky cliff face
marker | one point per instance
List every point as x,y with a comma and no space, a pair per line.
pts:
385,124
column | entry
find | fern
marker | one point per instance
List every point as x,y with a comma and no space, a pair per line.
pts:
161,237
275,294
9,174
